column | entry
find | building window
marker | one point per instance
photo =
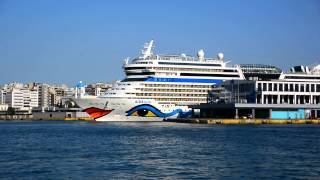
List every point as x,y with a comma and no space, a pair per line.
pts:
280,87
269,86
308,88
275,87
264,86
259,87
286,87
291,87
312,88
318,87
296,87
301,87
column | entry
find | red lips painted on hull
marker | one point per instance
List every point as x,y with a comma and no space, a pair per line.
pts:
96,112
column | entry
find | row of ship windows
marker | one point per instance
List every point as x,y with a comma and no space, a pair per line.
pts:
181,99
171,58
150,73
178,85
172,90
167,95
289,87
176,58
215,75
143,62
301,77
181,74
192,69
181,69
188,64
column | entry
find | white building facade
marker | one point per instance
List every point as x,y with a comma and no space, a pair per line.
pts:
14,98
2,97
22,99
288,92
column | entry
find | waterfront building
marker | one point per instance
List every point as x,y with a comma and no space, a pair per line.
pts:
22,98
272,86
15,99
44,97
3,107
56,94
33,98
267,92
70,92
2,96
295,94
97,89
288,92
34,94
80,90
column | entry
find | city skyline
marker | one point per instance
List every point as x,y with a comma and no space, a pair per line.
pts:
64,42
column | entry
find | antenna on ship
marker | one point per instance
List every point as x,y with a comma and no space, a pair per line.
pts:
126,61
147,49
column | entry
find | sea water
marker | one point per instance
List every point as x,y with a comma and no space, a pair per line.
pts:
129,150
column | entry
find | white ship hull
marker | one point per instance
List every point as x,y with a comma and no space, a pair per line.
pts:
123,109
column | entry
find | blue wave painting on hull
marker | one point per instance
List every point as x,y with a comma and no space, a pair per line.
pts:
157,112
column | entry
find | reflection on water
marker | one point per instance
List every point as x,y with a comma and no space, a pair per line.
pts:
157,150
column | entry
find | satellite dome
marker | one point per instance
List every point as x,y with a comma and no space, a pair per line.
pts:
183,55
201,54
220,56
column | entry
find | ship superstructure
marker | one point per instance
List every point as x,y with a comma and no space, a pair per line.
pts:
173,79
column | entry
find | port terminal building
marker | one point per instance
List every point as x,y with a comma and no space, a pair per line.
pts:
267,93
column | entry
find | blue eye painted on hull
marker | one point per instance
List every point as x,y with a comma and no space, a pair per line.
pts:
147,110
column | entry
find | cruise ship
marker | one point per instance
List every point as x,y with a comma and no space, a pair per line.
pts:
160,86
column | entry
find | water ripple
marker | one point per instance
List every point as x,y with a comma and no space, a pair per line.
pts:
82,150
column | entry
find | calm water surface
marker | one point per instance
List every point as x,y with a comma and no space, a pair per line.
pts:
84,150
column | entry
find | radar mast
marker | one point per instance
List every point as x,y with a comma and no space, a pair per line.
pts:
147,50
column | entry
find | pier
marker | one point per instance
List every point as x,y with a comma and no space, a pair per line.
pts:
243,121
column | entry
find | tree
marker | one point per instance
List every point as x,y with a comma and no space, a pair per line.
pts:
11,111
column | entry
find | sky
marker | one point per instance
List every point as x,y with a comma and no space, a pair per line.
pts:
56,41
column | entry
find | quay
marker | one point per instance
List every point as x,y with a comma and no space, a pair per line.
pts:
217,121
242,121
30,117
252,113
16,117
70,114
258,111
